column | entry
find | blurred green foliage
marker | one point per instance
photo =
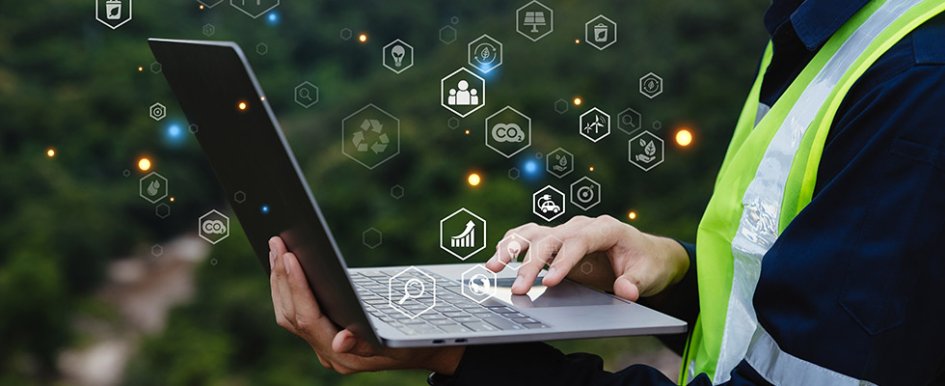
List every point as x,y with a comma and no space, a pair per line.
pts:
70,83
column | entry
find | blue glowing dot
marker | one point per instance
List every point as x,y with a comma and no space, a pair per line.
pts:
264,209
273,18
531,166
174,131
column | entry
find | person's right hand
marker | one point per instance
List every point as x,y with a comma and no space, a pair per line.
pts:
638,264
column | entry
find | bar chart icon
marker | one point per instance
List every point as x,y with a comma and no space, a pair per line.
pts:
467,239
463,234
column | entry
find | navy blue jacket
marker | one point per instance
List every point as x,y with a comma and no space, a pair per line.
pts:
856,282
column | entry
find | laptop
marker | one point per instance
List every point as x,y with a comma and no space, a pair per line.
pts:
238,132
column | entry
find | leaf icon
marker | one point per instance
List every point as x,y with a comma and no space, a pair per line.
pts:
650,149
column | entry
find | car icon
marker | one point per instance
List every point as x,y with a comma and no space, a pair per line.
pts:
545,204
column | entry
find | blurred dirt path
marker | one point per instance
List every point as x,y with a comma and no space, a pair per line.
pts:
138,294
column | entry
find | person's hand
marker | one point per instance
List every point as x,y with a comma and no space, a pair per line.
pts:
297,311
634,263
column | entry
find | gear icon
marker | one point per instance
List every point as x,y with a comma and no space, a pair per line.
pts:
371,126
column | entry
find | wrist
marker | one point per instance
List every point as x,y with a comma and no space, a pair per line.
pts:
445,361
674,257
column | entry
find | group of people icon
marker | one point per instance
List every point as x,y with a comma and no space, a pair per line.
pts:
462,95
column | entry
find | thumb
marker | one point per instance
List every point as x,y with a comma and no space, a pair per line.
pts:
626,286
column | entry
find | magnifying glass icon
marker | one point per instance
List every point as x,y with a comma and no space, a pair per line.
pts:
305,93
412,284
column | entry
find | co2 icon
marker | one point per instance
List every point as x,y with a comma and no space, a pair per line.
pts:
213,227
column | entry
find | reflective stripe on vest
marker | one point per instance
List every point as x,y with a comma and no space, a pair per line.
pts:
792,135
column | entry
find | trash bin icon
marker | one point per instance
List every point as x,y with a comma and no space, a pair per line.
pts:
113,9
601,31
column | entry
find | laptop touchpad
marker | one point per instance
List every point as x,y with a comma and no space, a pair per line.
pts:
566,294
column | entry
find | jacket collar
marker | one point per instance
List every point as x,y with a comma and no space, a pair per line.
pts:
814,21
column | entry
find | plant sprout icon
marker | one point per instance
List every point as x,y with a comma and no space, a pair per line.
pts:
515,247
650,149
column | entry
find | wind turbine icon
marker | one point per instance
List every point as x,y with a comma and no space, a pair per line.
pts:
596,125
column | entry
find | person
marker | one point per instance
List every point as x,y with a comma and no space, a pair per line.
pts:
818,260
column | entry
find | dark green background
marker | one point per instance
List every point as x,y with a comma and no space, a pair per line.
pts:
69,82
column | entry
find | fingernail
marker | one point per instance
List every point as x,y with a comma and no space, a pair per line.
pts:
552,270
272,259
493,259
286,264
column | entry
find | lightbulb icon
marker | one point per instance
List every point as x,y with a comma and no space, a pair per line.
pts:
397,52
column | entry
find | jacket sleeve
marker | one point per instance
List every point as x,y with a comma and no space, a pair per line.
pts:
540,364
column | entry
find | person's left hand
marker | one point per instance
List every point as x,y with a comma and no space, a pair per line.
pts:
297,311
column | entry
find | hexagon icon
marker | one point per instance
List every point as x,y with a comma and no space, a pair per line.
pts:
478,283
306,94
485,54
559,163
152,187
448,34
515,245
646,150
370,136
412,292
651,85
208,29
213,227
113,13
508,132
534,20
548,203
162,210
585,193
629,121
210,3
398,56
594,124
372,238
561,106
600,32
463,234
254,9
462,92
157,111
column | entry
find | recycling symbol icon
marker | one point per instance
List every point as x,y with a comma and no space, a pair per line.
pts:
374,128
370,136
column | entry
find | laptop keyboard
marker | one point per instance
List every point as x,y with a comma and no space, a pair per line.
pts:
453,312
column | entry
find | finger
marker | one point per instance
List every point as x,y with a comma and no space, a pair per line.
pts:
545,250
627,287
277,245
598,235
345,342
303,301
309,322
325,364
541,254
502,256
277,298
283,293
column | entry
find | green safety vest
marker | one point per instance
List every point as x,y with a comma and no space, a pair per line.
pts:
767,178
